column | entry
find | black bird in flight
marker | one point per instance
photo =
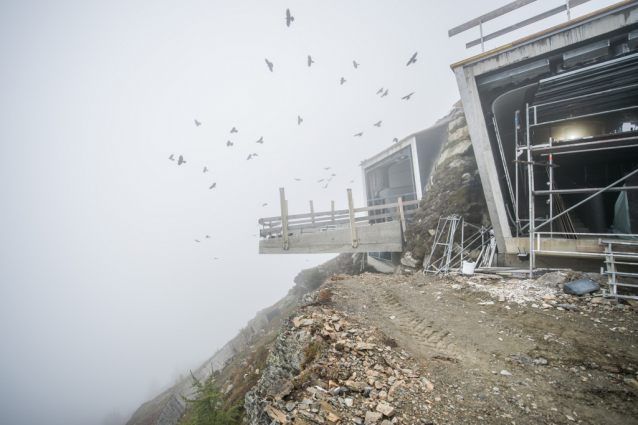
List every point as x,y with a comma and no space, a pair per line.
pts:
197,123
249,156
325,186
213,186
343,80
229,143
171,158
234,130
355,64
320,181
359,134
264,205
261,140
205,169
412,59
255,154
310,61
329,180
334,175
270,65
351,181
207,237
181,161
327,168
395,140
386,93
408,96
298,180
299,120
196,240
377,124
380,90
216,258
289,18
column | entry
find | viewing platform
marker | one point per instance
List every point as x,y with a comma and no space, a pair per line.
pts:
377,228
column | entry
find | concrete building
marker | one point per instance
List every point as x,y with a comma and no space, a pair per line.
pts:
553,120
403,171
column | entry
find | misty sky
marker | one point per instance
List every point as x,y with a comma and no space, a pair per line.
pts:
103,289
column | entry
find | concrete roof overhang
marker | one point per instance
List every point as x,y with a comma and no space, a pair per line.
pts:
586,27
406,141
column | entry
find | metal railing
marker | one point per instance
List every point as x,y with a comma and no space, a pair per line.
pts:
478,22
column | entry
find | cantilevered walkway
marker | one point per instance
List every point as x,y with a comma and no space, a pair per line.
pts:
378,228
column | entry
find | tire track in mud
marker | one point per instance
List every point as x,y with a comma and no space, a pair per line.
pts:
434,340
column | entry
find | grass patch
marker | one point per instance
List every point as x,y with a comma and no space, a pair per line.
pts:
311,353
315,279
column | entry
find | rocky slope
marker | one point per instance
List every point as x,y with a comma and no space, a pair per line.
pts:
452,349
456,189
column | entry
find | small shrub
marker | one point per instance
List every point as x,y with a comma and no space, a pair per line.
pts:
205,407
315,279
325,297
311,353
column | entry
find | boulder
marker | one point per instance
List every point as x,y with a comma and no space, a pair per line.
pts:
280,389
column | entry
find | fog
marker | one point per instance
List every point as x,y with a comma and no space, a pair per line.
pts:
105,297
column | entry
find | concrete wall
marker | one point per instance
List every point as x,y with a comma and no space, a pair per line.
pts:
380,237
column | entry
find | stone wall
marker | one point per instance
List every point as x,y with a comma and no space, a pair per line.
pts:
456,189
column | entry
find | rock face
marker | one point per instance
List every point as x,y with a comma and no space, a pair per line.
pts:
456,189
284,362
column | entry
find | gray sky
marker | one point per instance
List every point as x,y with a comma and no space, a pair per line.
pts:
102,286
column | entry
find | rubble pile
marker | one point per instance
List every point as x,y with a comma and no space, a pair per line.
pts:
537,293
356,376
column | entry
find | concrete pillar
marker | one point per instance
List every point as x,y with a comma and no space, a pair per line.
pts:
483,153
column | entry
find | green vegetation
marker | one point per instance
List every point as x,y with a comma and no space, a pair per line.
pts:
206,407
315,279
311,353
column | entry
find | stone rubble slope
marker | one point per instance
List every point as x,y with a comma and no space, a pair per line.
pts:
356,377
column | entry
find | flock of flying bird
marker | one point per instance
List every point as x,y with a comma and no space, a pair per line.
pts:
289,20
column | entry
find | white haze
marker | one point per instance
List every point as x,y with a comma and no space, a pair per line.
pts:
104,294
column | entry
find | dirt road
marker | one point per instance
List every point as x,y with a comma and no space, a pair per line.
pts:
502,362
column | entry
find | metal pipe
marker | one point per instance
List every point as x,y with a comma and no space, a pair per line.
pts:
481,28
588,190
505,169
587,95
583,116
551,180
586,199
516,128
569,18
606,148
530,177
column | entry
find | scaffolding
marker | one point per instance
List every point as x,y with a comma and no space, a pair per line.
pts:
455,250
533,153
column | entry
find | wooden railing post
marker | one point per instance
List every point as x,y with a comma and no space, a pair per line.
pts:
284,216
333,209
353,229
312,211
402,217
